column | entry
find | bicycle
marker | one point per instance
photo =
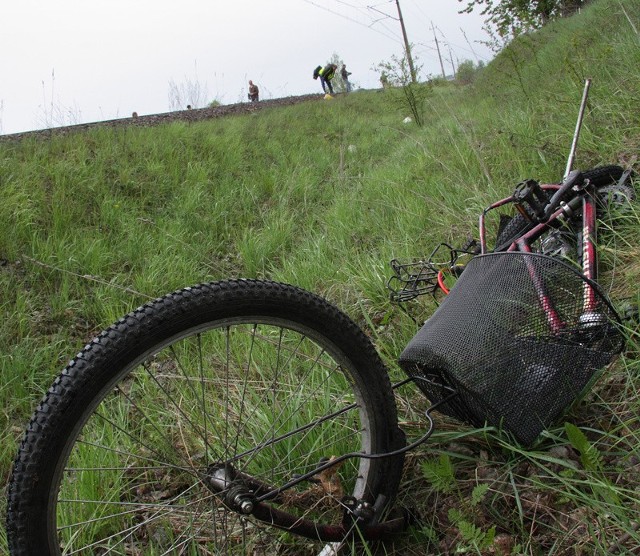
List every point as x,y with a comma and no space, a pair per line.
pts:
223,416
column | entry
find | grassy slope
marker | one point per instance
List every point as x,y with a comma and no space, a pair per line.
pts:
323,195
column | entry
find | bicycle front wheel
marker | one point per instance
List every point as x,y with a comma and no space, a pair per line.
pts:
184,427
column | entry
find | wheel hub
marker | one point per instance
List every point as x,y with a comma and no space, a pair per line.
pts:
222,480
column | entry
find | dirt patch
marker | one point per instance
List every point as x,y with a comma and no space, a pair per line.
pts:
194,115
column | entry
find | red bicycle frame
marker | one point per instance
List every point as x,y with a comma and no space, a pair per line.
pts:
584,198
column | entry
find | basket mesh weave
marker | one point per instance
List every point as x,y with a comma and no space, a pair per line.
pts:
512,365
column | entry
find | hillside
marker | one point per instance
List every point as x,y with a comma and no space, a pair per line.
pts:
97,220
148,120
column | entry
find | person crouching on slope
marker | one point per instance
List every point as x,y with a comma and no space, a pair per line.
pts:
326,74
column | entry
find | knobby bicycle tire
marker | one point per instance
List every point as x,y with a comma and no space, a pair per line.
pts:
599,176
243,385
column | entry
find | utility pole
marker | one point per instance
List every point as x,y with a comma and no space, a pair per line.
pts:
453,65
406,44
444,76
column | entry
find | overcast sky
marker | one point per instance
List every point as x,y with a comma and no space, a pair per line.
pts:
74,61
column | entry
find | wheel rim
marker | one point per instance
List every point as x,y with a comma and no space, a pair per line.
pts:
615,197
136,480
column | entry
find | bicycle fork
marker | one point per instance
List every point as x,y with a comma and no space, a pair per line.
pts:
590,316
586,246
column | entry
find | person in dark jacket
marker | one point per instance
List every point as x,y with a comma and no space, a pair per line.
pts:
254,93
326,74
345,78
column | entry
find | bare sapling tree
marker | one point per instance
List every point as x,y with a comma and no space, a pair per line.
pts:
52,112
339,84
397,78
190,92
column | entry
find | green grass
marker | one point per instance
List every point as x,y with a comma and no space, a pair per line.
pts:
323,195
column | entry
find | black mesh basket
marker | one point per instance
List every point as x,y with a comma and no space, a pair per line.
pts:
518,341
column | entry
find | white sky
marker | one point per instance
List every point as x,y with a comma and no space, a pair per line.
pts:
74,61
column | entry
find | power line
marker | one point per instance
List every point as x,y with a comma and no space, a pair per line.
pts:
417,12
456,45
349,5
339,8
386,15
342,15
